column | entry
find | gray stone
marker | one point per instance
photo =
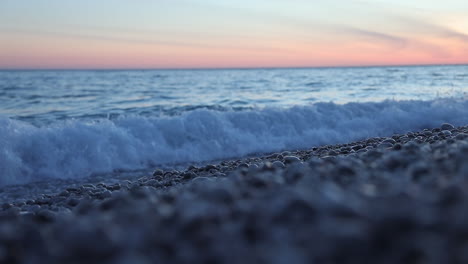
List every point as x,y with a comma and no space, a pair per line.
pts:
385,145
461,136
158,172
104,194
446,133
447,126
427,133
278,164
73,201
188,175
201,180
114,187
210,167
243,165
64,193
192,167
253,166
291,159
45,216
389,141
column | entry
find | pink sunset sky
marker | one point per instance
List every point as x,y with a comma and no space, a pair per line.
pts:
222,34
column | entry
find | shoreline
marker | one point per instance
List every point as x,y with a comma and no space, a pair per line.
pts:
54,186
376,192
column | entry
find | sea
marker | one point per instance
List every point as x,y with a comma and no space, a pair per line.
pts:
73,124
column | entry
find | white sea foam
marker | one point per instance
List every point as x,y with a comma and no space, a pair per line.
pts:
77,148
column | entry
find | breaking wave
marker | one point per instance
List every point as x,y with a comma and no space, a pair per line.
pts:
74,148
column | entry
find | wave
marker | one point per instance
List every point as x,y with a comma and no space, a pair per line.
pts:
74,148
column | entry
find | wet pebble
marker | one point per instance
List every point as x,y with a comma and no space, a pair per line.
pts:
158,172
447,126
291,159
278,164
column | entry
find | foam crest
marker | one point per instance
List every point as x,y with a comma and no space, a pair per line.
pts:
77,149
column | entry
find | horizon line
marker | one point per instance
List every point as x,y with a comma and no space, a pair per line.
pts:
232,68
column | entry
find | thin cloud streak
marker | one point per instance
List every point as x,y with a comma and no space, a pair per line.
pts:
117,39
392,40
437,30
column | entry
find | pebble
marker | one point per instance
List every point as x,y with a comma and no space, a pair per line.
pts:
385,145
188,175
33,208
45,216
291,159
192,167
447,126
389,141
157,172
446,133
243,165
114,187
427,133
278,164
210,167
397,146
64,193
104,194
73,201
461,136
201,180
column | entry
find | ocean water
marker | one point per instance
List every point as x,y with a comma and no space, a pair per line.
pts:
73,124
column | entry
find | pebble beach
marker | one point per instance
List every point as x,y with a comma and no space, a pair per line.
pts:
398,199
231,132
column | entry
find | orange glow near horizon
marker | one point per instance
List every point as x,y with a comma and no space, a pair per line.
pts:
71,53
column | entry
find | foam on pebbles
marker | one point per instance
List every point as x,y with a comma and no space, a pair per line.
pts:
400,199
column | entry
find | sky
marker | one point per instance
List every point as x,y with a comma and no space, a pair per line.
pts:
115,34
